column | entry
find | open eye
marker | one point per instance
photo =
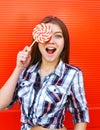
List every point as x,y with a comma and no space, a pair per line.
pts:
58,36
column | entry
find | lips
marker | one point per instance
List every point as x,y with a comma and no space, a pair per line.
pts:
50,50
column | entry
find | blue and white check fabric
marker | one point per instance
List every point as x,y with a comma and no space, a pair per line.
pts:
45,102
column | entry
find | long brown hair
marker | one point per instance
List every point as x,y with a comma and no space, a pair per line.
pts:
36,55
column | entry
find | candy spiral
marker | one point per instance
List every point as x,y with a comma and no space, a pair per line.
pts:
42,33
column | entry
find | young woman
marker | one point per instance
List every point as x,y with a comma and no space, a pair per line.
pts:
46,85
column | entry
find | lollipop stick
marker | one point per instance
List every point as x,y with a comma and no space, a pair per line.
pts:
32,44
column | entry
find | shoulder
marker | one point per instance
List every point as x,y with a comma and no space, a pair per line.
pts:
72,67
33,68
29,70
75,70
67,69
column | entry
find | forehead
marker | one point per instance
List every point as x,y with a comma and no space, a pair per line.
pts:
55,27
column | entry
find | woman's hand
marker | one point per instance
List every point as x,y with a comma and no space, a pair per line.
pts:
80,126
23,58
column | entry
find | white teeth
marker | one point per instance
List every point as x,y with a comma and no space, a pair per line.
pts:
50,48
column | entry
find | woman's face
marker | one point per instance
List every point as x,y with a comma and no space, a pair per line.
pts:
52,49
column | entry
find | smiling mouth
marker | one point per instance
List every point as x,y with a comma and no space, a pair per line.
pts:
50,50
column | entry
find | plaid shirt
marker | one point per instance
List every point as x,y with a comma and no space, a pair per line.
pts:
45,102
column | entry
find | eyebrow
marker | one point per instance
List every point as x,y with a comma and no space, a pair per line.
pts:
58,32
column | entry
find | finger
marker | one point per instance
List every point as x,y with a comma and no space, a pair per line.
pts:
27,49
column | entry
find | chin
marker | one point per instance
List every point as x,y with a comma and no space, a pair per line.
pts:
52,60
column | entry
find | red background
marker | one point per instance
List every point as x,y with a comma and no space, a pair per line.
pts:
82,17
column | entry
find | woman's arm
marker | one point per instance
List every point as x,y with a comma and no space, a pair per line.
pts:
80,126
78,104
7,91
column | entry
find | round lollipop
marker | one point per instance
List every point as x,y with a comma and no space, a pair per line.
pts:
41,33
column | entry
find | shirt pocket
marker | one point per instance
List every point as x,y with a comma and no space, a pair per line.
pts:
54,94
24,88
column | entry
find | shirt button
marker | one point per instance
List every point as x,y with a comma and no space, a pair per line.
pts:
54,90
23,83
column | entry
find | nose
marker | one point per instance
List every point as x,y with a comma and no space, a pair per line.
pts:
52,40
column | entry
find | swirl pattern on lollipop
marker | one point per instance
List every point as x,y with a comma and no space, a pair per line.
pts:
42,33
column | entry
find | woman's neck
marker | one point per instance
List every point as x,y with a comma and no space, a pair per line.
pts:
47,67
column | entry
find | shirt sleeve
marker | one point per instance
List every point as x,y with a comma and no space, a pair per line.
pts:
77,100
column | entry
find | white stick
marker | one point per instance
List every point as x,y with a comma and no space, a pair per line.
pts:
32,44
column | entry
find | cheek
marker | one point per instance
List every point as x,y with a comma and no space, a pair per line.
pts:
61,45
40,46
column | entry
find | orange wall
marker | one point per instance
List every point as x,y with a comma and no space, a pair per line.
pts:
17,19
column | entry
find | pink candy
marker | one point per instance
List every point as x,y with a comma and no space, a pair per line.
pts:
41,33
